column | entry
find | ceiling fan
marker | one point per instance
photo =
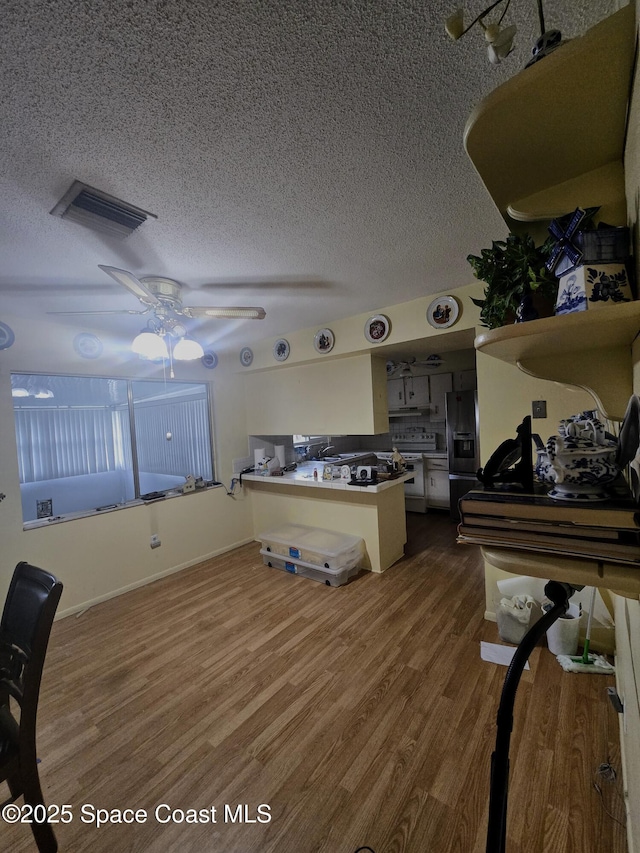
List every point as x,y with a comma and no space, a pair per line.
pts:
405,368
162,298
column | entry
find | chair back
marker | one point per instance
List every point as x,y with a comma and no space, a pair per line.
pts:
25,627
28,614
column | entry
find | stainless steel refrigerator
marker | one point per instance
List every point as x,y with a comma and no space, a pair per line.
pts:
462,445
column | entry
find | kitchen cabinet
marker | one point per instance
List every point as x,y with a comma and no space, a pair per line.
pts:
408,392
465,380
436,480
440,384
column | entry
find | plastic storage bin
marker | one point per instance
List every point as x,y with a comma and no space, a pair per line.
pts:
328,576
314,545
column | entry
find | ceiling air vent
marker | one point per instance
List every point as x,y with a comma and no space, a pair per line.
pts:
101,212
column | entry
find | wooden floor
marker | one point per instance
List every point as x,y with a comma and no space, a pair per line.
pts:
360,715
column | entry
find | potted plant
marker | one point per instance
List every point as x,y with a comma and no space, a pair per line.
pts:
515,273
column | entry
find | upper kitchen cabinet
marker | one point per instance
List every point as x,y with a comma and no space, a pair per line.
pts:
441,384
551,138
465,380
408,392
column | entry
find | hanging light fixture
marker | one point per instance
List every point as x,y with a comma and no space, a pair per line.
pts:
500,39
150,344
164,338
187,349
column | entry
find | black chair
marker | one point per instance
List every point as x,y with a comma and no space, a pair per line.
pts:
25,627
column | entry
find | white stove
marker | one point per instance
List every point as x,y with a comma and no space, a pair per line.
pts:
415,439
415,492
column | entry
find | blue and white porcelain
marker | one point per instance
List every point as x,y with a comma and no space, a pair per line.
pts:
581,468
583,425
543,468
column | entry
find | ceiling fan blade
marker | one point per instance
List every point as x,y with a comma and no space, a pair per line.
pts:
122,311
132,284
296,283
225,313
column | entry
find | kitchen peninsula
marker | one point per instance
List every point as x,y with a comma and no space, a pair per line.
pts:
375,512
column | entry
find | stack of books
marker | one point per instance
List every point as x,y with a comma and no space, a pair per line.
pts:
507,517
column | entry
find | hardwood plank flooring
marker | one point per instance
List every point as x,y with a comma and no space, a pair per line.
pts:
361,715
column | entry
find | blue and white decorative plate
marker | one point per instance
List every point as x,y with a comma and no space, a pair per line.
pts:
6,336
246,356
281,350
209,359
87,346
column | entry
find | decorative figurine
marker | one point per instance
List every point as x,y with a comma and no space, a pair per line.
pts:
397,459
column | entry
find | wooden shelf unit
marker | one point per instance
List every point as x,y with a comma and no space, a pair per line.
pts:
551,138
590,349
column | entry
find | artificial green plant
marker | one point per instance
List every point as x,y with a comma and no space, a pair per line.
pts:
512,269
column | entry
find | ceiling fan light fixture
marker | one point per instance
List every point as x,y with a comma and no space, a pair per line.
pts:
187,349
149,345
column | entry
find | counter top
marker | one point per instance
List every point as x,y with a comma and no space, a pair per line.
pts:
304,479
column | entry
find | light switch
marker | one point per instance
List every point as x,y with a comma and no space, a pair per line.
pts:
539,408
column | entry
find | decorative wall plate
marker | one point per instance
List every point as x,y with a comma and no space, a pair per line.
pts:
209,359
246,356
377,328
281,350
87,346
324,340
6,336
443,312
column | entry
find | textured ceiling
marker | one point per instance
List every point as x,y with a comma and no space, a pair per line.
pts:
302,156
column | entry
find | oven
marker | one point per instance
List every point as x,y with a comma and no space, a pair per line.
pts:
415,492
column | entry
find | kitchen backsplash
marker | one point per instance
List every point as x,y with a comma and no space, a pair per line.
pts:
346,443
404,425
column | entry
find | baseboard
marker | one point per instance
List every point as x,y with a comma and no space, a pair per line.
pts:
81,608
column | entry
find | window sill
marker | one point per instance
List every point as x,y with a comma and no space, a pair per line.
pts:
73,516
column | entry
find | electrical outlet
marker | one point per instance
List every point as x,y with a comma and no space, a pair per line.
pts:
539,408
155,541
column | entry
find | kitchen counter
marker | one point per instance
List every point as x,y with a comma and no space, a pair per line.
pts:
303,478
376,513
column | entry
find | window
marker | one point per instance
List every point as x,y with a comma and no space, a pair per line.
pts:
87,443
310,439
